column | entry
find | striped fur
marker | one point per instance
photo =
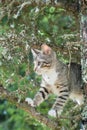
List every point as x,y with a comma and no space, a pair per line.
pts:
56,79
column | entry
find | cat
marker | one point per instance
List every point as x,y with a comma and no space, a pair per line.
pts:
57,78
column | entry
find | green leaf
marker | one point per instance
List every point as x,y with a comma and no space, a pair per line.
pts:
52,9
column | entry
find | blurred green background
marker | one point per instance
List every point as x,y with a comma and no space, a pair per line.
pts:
33,26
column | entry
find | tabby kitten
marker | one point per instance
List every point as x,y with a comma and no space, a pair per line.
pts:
57,79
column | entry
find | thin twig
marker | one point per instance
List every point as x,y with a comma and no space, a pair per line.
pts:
20,9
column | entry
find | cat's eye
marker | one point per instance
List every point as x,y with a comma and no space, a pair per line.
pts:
45,64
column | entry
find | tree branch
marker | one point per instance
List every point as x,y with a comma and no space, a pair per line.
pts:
24,106
54,125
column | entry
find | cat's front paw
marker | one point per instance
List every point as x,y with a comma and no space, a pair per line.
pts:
52,113
30,102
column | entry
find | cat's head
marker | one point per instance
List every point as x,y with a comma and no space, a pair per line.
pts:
44,59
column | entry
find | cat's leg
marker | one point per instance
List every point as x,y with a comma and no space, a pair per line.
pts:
60,102
41,95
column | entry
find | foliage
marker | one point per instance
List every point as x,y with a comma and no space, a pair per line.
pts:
32,27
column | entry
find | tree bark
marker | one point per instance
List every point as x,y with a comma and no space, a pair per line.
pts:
83,31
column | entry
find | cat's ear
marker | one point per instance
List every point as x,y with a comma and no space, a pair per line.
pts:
46,49
35,52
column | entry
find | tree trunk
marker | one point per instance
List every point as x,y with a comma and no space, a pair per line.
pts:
83,27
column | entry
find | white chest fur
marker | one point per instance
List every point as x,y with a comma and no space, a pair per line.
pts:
50,77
